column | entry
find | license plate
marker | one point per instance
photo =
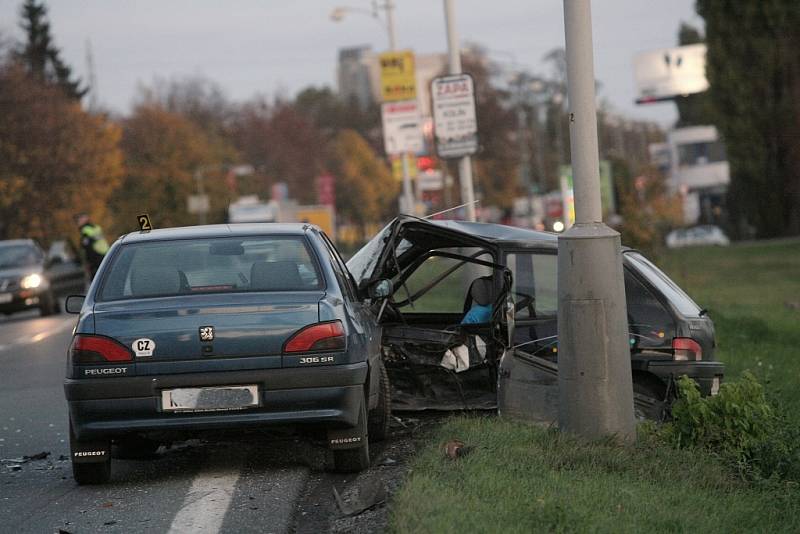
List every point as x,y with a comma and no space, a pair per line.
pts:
210,399
714,385
6,297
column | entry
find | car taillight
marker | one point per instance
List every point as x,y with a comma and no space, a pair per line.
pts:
97,349
686,349
321,336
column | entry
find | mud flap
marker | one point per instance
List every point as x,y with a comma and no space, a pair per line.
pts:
89,452
350,438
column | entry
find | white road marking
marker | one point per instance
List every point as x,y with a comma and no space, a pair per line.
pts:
206,503
28,339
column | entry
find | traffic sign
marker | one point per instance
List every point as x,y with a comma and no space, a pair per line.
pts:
198,204
402,131
398,76
454,118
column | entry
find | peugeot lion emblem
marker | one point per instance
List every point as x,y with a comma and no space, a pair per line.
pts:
206,333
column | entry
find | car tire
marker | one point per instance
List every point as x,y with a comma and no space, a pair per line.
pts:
88,473
380,416
353,460
655,391
48,305
136,448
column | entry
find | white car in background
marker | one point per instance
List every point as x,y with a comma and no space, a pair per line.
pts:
697,236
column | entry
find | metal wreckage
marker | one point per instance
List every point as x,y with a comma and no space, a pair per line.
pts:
432,274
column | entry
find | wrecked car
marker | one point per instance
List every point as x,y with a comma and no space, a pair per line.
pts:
439,270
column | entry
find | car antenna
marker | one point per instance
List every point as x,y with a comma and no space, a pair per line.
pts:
451,209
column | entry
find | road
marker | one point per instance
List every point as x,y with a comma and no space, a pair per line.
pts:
254,482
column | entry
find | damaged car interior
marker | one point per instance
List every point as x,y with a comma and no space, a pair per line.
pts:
443,302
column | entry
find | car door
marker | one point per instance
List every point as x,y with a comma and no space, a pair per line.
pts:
64,270
534,292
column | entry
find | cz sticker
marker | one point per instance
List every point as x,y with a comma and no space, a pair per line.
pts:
143,347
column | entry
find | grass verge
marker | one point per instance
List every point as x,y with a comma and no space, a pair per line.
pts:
523,478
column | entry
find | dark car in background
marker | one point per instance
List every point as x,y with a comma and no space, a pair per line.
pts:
215,327
428,263
29,278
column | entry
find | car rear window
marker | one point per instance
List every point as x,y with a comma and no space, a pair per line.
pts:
224,265
664,284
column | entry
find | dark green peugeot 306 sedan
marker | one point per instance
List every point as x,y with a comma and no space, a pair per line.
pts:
214,327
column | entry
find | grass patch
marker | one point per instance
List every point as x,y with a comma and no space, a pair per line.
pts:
522,478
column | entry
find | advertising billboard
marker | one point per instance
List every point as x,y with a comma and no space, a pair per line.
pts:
670,72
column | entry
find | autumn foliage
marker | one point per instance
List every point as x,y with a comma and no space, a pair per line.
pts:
55,159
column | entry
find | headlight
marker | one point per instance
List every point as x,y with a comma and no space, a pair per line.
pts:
32,281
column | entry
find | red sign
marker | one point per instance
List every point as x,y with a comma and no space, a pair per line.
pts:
326,190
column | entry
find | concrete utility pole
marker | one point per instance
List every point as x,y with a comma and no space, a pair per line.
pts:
465,163
594,365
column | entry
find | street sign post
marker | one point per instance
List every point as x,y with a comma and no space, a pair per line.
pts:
402,131
454,119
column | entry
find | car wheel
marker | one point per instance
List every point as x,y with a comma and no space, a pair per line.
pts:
88,473
381,415
653,406
135,448
353,460
48,305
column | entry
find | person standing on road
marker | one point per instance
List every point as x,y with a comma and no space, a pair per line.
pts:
93,243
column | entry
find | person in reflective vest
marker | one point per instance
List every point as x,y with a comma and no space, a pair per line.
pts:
93,243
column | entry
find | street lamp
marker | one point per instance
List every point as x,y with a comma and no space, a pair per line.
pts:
339,12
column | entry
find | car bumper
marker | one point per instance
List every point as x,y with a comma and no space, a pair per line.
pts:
325,396
21,300
708,375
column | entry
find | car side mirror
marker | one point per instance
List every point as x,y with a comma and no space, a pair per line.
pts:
74,303
381,289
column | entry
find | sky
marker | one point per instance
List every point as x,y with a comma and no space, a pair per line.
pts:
273,47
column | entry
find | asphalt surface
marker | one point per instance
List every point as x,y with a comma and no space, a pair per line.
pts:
224,483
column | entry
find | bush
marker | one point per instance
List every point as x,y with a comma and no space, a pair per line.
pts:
739,425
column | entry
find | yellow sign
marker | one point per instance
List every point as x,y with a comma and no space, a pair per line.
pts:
398,76
397,167
321,216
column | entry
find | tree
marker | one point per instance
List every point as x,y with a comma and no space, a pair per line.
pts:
648,212
498,159
163,153
331,114
55,159
365,190
283,144
753,67
39,56
695,109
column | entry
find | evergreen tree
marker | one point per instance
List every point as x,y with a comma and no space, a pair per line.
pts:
695,109
39,56
754,70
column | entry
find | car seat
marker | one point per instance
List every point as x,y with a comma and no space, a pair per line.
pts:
275,276
153,280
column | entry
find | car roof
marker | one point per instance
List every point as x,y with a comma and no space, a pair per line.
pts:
217,230
501,233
